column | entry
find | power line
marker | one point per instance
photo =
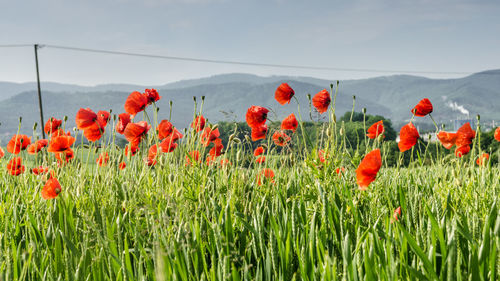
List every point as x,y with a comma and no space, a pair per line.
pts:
249,63
16,45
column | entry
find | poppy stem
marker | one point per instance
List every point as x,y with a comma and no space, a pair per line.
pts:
435,124
301,124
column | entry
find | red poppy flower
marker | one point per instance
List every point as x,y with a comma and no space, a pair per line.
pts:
217,148
210,159
368,169
284,93
281,138
447,139
198,123
176,135
340,170
65,156
423,108
209,135
482,159
396,214
321,101
290,123
34,148
130,149
261,159
96,131
122,165
123,120
15,166
168,144
165,128
256,116
59,132
2,153
376,130
462,150
258,151
51,189
259,132
135,132
497,134
224,162
408,137
321,155
152,95
103,117
465,135
153,152
265,174
60,144
103,159
40,170
135,103
192,156
18,143
85,118
52,125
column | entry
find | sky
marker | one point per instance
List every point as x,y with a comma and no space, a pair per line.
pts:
406,35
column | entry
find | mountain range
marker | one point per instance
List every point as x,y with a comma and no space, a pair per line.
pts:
228,96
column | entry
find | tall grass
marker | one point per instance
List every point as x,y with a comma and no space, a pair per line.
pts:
214,222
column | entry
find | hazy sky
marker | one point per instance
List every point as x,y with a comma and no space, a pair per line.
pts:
417,35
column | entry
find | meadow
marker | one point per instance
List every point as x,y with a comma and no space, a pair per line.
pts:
186,207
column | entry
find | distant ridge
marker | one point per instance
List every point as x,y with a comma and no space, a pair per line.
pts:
229,95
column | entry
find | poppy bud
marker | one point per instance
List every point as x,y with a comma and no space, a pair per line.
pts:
334,117
202,98
20,119
354,97
341,131
215,126
194,99
86,146
238,155
171,102
157,109
309,97
34,126
328,132
231,137
364,110
65,118
236,140
114,117
331,85
264,145
248,138
110,111
478,117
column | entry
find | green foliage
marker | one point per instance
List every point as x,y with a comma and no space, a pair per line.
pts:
189,220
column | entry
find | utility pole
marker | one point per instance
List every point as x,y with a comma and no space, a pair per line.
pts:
39,90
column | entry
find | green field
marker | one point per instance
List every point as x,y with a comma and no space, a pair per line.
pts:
173,221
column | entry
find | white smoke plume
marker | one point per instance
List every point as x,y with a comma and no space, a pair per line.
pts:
456,107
